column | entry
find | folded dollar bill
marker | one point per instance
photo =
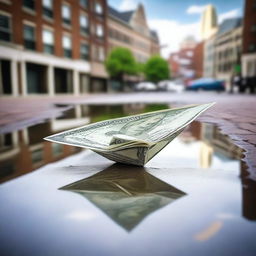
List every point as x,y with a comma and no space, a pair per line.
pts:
132,139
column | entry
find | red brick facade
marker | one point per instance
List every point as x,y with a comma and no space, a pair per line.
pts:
249,27
20,14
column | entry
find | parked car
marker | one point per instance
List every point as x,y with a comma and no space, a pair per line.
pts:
145,86
168,85
207,84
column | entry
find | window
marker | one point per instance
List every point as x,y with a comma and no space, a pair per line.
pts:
84,51
98,8
6,140
30,4
84,26
99,30
66,14
66,44
84,3
29,37
252,47
99,53
48,8
5,28
57,149
48,41
253,28
37,156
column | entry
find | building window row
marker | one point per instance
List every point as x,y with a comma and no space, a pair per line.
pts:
65,9
119,36
142,45
226,67
48,41
29,31
228,40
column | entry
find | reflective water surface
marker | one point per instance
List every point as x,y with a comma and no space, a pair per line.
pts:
193,198
126,194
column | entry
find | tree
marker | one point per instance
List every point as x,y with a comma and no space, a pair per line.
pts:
156,69
121,62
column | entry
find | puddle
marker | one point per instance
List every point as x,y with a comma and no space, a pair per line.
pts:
127,194
194,195
25,150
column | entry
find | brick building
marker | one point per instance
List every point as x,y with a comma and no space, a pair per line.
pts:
228,46
130,29
52,47
249,42
187,63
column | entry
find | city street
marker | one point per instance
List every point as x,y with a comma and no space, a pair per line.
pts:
234,114
128,127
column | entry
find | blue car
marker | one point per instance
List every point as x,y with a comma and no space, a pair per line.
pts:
207,84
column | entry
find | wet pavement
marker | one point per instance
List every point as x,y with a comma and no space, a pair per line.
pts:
234,114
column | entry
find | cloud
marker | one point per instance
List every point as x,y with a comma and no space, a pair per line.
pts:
127,5
171,33
230,14
195,9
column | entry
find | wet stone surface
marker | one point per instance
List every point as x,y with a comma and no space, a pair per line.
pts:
234,114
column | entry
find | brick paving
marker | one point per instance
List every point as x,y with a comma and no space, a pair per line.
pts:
234,114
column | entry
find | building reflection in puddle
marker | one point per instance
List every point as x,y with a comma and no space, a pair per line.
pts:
248,195
25,150
199,146
126,194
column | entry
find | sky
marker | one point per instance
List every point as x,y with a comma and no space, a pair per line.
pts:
176,19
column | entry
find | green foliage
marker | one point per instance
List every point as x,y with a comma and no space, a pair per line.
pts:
119,62
155,107
109,112
156,69
140,67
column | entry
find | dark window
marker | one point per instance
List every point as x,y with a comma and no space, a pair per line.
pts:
7,169
48,8
48,48
67,53
29,37
29,4
7,140
84,3
37,156
252,47
5,28
253,28
84,51
57,149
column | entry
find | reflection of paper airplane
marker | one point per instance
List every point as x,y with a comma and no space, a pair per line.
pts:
126,194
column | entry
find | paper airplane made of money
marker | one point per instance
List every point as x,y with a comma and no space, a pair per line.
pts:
133,139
